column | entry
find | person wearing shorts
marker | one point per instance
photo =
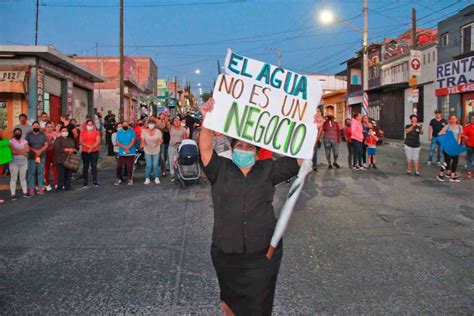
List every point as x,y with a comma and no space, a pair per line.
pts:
412,144
371,142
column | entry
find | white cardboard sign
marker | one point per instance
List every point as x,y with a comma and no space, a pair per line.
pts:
266,105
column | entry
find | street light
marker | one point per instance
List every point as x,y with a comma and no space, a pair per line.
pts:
199,84
198,71
326,17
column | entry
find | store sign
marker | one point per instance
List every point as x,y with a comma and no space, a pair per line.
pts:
455,73
40,84
266,105
355,100
415,63
456,89
70,87
413,95
12,76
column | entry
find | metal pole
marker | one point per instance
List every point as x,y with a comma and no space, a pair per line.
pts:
413,29
365,67
37,18
121,105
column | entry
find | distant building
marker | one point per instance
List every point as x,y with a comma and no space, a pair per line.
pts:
36,79
140,75
455,70
332,101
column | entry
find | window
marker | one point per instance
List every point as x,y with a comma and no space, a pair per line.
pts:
424,59
444,39
3,115
429,58
434,56
445,105
467,40
46,102
420,105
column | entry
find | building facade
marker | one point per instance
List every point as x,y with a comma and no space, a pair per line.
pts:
455,70
137,70
37,79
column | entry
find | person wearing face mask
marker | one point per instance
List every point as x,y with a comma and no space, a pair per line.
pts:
63,146
50,163
244,221
331,135
151,142
125,141
350,148
177,134
138,129
90,140
163,125
38,143
19,164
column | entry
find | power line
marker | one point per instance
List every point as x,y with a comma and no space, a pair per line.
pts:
148,5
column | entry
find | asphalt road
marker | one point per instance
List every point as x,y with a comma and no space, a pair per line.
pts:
367,242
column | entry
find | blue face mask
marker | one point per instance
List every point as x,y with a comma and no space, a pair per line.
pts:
243,158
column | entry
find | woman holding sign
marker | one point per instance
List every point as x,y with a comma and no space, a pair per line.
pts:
244,221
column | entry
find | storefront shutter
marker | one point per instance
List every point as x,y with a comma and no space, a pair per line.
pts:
79,105
52,85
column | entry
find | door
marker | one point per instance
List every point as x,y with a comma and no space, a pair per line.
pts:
468,107
54,108
392,111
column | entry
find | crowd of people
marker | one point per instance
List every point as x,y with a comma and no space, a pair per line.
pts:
42,149
361,140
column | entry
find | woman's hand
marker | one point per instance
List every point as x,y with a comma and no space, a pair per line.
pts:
318,119
207,107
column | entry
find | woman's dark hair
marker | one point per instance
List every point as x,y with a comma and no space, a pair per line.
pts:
234,141
89,120
356,114
35,122
413,115
347,119
49,123
453,115
63,127
22,115
17,129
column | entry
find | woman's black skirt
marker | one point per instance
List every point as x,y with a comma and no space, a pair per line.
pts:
247,281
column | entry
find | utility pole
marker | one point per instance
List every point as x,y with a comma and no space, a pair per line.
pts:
365,67
121,109
37,17
278,51
413,29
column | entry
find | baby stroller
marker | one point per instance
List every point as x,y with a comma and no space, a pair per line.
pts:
186,165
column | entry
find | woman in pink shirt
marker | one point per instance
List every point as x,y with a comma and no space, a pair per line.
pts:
357,138
90,140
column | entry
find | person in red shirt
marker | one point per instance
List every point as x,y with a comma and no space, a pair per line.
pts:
264,154
331,135
371,142
138,130
90,140
350,148
468,136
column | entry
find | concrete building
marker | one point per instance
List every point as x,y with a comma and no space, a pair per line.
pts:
332,101
455,70
36,79
140,75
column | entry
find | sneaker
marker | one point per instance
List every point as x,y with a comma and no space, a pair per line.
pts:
409,172
330,166
438,163
428,163
336,165
315,169
157,180
172,179
163,174
84,185
440,178
355,168
31,192
469,175
417,173
147,181
26,195
40,191
117,182
374,166
454,179
362,168
444,166
13,198
49,188
130,182
96,184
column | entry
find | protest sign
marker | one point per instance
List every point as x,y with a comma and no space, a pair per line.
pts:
266,105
